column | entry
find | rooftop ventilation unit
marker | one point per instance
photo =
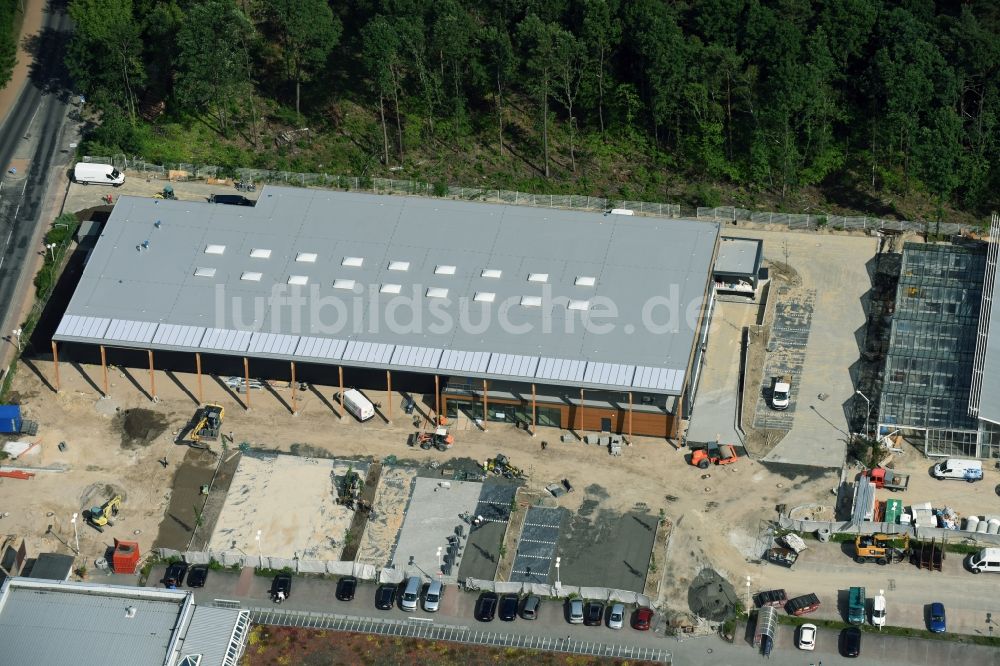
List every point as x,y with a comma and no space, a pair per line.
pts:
306,257
298,279
343,284
130,612
491,273
215,249
355,262
251,276
204,272
399,265
437,292
391,288
578,305
538,277
531,301
260,253
484,296
585,281
444,270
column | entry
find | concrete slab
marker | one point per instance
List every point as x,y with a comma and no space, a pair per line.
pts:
292,501
714,413
433,514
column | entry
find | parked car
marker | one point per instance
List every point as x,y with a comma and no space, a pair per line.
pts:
936,620
807,637
281,587
617,617
508,607
878,610
642,619
197,575
850,642
594,614
486,607
575,608
346,587
411,593
174,577
385,597
432,599
531,607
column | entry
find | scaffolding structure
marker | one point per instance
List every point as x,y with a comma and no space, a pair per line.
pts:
932,344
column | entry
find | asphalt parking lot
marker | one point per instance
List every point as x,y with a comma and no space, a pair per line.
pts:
482,550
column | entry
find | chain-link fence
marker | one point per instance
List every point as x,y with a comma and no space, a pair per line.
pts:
724,214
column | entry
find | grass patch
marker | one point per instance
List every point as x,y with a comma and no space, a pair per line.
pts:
270,573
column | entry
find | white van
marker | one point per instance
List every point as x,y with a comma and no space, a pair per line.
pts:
86,173
988,559
878,609
359,405
963,470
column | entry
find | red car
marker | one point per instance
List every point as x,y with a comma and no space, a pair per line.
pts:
642,619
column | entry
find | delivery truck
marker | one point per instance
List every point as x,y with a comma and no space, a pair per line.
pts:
358,405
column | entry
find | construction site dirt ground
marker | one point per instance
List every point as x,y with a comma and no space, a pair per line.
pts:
714,515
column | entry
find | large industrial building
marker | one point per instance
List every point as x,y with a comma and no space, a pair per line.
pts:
549,317
941,385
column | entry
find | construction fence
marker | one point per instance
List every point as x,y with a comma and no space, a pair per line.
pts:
722,214
231,558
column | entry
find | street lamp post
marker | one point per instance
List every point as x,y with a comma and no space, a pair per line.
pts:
868,414
260,553
17,337
51,247
76,533
440,564
748,595
558,582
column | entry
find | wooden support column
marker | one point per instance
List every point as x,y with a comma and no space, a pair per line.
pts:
534,423
246,380
630,417
388,393
340,372
152,377
437,400
581,411
486,405
197,366
295,407
55,363
104,371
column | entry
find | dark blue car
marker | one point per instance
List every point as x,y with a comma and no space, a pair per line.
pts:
936,621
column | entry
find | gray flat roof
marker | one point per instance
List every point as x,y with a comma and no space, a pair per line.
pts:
47,623
738,255
184,276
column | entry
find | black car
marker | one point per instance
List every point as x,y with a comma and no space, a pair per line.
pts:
281,587
508,607
175,574
231,199
486,607
346,587
850,642
385,597
593,615
198,575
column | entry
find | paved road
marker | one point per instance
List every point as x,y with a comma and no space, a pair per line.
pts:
30,141
317,596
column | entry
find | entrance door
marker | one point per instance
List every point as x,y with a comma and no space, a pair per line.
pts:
605,425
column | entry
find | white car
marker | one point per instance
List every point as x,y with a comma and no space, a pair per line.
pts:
617,616
807,637
878,610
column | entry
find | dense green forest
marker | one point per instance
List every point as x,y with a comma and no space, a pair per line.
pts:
9,22
886,106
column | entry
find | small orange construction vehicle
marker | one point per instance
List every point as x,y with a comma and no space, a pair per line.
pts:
704,455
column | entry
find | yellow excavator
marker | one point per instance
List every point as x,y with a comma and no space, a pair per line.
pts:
206,425
99,516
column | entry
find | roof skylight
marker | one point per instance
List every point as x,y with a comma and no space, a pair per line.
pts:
343,284
484,296
437,292
204,272
306,257
585,281
298,279
538,277
355,262
531,301
215,249
260,253
491,273
399,265
444,270
251,276
389,288
578,305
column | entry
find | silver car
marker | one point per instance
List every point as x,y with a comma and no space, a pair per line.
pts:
576,611
432,599
617,617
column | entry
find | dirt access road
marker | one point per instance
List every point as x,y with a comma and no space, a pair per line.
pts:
715,514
